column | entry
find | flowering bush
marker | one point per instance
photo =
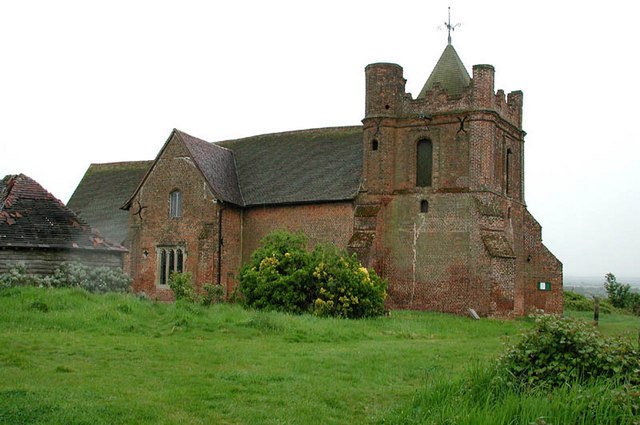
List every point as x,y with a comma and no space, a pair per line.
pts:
283,276
17,276
71,274
345,288
279,275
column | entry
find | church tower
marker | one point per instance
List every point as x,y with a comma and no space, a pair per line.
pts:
441,211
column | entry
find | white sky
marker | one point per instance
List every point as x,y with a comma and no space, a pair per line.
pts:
101,81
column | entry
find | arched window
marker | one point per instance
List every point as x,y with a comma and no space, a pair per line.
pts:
424,163
374,145
424,206
507,171
175,204
170,259
163,267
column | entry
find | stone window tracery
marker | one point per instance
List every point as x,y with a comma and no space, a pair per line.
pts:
171,259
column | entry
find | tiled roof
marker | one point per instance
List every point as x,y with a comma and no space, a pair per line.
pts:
101,192
217,165
32,217
299,166
449,73
319,165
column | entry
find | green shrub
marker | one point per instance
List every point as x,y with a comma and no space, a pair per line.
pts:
560,351
17,276
182,286
619,293
98,280
213,294
71,274
578,302
279,275
634,303
345,288
283,276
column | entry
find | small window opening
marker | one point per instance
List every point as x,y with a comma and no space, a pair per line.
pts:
387,106
424,206
374,145
175,204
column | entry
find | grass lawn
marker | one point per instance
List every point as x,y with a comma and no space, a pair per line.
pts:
70,357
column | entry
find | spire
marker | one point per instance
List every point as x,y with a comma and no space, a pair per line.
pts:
449,73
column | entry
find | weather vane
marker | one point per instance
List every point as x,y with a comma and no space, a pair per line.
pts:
450,27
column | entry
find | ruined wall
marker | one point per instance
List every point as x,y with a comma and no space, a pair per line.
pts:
540,266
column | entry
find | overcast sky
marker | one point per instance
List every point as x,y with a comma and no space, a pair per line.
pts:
86,82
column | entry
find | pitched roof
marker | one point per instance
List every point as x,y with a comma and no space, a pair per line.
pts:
318,165
218,166
32,217
101,192
299,166
449,73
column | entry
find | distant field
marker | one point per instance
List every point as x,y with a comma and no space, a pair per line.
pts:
593,285
68,357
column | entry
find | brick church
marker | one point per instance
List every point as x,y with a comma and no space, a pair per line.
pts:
428,191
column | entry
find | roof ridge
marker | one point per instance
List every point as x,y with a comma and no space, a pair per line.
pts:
107,164
290,132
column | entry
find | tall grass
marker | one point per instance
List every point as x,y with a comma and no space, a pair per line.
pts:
70,357
476,400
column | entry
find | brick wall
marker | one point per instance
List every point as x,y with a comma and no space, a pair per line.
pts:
195,230
476,247
440,260
328,222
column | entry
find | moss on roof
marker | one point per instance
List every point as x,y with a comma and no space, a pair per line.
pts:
449,73
101,192
304,166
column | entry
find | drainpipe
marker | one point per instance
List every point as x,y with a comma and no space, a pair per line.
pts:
219,271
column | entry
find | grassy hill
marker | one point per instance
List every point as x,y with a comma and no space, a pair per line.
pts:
70,357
